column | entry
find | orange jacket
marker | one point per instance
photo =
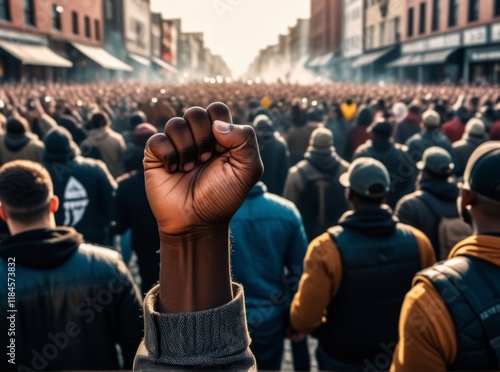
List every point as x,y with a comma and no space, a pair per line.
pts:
321,279
427,338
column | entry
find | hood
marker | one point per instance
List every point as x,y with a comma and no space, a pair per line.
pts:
323,161
443,190
475,140
365,117
15,142
41,248
485,247
377,222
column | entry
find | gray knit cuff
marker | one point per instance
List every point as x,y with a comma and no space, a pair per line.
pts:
216,338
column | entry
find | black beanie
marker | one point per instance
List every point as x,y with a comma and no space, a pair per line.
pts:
14,126
58,146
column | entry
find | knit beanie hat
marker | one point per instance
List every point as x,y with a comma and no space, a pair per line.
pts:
59,146
143,132
15,126
321,141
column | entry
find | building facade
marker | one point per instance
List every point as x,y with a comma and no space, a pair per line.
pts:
450,40
352,38
45,30
299,41
382,24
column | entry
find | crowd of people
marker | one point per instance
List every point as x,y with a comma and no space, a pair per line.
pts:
337,201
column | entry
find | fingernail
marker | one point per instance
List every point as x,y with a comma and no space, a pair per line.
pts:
173,168
222,127
188,167
206,156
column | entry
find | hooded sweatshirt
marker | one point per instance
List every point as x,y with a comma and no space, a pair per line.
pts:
428,340
41,248
16,146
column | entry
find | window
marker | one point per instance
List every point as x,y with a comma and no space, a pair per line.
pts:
5,10
29,13
97,29
421,23
56,16
87,27
436,11
74,18
453,15
473,10
411,15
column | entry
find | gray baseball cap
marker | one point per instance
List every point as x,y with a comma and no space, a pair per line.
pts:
436,160
367,177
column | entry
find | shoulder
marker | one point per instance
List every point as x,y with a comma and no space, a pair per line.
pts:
410,200
101,259
282,205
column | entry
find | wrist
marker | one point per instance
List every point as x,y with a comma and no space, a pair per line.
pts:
194,270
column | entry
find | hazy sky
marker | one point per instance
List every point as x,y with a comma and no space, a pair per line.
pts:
236,29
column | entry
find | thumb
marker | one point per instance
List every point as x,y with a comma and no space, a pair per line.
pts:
241,142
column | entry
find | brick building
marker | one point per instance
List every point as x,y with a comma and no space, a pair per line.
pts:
325,35
39,39
450,40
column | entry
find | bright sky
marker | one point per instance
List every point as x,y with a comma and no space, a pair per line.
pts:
236,29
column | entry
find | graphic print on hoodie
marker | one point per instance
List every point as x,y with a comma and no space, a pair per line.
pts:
75,202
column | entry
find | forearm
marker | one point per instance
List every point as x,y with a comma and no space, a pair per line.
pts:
194,270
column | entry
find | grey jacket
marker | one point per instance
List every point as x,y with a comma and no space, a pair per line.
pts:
221,340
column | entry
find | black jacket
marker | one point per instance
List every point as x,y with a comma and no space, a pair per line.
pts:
132,211
74,302
414,211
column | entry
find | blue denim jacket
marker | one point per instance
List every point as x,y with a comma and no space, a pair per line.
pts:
269,245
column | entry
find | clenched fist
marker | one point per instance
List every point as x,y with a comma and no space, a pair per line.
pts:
200,170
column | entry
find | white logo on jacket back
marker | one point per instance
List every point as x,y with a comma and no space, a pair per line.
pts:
75,202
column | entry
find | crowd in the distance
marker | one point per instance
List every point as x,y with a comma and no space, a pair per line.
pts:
364,189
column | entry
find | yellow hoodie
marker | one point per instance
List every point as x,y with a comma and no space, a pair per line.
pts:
427,339
349,111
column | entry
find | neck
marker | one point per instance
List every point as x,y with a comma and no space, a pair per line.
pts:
18,228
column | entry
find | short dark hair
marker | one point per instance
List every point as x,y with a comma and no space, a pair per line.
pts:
25,190
375,201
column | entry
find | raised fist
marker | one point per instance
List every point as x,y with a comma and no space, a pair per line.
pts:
200,170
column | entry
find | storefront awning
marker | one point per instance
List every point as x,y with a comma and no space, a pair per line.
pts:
140,60
38,55
369,58
164,65
407,60
314,62
326,59
432,58
435,58
102,57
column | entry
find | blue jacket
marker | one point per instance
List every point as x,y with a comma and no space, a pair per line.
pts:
267,238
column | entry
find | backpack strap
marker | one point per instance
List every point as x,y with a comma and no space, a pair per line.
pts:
334,232
467,276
